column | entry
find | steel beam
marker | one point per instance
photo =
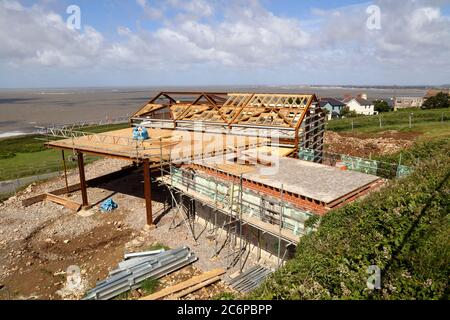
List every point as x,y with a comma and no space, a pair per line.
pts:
82,179
65,170
148,191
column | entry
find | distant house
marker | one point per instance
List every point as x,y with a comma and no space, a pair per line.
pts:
334,106
360,105
408,102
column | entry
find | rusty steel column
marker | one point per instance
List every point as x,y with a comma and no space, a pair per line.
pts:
65,170
82,179
148,192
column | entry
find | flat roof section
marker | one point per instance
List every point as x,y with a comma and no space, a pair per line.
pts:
316,181
176,145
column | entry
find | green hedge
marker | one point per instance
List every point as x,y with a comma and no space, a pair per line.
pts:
404,229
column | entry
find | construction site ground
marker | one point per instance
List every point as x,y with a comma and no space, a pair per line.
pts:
39,243
367,145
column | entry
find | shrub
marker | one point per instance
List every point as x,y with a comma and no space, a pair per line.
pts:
404,229
149,285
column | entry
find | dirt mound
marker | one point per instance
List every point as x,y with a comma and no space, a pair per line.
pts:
366,145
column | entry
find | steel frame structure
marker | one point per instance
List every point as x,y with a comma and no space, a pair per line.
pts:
295,120
231,205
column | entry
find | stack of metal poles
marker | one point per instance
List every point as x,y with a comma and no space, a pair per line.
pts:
136,268
250,280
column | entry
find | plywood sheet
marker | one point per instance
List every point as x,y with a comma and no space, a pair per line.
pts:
163,143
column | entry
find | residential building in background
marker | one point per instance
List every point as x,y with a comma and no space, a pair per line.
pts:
334,107
360,105
407,102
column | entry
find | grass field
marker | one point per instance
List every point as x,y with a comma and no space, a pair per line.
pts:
430,123
27,156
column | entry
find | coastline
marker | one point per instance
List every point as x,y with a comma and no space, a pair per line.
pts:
23,109
14,134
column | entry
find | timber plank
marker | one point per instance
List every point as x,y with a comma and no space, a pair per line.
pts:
186,284
194,288
70,204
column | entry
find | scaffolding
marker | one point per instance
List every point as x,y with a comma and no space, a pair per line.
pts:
224,196
180,184
233,204
293,121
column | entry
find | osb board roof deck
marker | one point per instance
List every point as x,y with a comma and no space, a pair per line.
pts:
315,181
171,144
239,167
257,109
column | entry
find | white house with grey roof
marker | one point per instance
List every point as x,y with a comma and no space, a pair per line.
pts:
360,105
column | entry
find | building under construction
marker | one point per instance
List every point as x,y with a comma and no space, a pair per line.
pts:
249,164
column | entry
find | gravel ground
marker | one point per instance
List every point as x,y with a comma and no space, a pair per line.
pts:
38,243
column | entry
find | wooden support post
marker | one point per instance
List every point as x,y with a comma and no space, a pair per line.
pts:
82,180
148,192
65,170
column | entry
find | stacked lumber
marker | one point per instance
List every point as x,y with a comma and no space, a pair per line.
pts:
184,288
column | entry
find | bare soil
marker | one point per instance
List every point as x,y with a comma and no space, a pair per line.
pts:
367,145
39,243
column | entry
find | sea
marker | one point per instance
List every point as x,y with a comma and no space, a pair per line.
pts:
22,111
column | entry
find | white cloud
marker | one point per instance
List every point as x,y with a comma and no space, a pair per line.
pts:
196,8
235,35
254,37
412,33
34,36
150,12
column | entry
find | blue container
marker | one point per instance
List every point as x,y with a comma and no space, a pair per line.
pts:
140,133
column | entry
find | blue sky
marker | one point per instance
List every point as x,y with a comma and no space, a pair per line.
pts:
224,42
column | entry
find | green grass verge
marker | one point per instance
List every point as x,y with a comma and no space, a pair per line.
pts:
27,156
431,123
404,230
149,286
225,296
36,163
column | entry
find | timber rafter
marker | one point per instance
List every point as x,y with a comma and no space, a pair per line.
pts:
230,109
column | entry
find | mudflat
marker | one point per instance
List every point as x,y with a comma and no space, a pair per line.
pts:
21,110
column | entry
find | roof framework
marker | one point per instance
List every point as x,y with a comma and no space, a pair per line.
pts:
285,111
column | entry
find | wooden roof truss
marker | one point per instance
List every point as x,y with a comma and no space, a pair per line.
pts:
285,111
